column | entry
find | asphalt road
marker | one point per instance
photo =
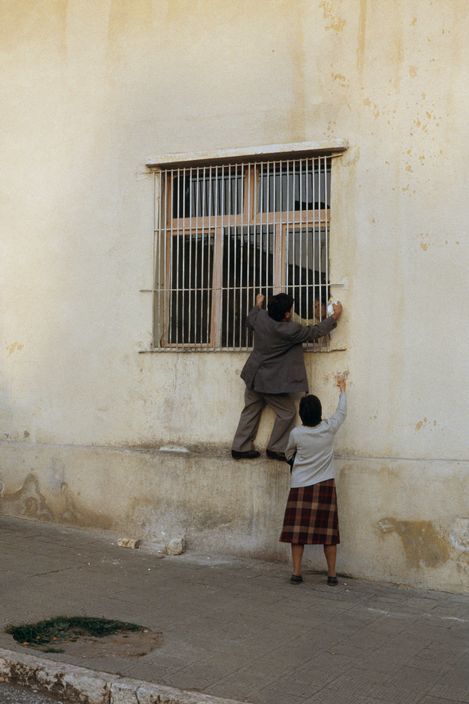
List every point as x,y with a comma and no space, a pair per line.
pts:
20,695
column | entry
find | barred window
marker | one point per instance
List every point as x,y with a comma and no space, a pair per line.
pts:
225,232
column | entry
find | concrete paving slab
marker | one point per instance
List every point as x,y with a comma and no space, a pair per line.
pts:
437,700
235,628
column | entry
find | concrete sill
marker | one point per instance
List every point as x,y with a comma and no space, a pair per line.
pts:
198,350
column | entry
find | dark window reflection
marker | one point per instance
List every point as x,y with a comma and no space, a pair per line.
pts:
297,186
248,268
307,271
207,191
191,283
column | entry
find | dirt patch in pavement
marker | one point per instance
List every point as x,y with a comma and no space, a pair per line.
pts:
86,636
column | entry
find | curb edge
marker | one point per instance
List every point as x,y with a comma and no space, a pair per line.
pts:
84,686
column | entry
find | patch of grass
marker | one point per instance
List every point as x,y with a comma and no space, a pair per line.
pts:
67,628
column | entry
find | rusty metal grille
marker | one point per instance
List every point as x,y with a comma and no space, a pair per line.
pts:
224,233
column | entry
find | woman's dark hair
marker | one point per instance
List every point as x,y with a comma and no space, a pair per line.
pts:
279,305
310,410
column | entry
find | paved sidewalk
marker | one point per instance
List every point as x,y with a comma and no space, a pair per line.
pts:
236,628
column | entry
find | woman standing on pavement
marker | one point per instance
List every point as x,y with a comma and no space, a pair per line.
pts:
311,514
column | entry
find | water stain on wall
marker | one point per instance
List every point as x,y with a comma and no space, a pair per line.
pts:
27,501
340,78
14,347
30,501
373,107
423,545
424,244
335,22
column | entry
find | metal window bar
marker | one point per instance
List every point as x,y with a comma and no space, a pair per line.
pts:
196,307
247,268
250,171
309,308
202,257
225,232
191,303
233,319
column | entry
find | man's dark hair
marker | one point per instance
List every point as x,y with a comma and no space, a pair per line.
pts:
310,411
279,305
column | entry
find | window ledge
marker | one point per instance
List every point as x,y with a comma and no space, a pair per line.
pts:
198,350
263,152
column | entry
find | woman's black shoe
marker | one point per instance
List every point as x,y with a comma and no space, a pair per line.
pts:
332,581
296,579
249,455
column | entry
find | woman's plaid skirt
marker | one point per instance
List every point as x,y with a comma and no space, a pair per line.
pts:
311,515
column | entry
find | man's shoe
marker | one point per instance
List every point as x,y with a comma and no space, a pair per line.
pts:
249,455
280,456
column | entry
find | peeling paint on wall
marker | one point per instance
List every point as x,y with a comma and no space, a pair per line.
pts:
27,501
459,535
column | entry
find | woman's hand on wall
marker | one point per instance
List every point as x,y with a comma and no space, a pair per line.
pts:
341,382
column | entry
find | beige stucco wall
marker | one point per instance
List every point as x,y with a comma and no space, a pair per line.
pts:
89,92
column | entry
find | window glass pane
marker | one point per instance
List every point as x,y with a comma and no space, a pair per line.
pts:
307,271
207,191
248,268
191,288
294,186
